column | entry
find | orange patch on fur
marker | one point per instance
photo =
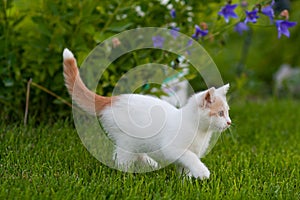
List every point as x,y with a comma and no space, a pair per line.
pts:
216,106
102,102
86,99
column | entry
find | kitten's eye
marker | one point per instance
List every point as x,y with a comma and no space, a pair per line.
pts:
221,113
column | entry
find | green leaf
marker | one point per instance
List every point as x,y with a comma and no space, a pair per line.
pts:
42,25
119,27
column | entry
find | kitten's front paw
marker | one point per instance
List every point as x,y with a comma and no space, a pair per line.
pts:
202,173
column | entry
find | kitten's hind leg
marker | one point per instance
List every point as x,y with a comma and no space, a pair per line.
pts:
124,159
148,160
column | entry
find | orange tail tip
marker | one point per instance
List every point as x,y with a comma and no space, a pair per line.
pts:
67,54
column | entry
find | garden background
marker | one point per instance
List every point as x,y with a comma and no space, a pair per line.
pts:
45,158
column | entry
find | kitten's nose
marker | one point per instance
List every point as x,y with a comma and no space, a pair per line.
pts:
228,123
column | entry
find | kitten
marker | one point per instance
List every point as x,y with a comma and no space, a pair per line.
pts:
139,124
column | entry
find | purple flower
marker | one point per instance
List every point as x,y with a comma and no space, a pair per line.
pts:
251,16
268,11
244,4
282,27
241,27
227,11
189,43
199,33
158,41
174,32
173,13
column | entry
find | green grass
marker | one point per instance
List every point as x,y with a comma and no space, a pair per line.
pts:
258,159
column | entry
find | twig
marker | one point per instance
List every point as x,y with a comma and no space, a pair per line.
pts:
52,94
27,101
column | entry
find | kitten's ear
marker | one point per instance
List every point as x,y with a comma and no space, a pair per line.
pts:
208,97
223,90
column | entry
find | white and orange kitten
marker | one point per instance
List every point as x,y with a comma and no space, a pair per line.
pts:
139,124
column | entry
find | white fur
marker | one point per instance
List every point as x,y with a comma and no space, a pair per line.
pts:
143,127
67,54
143,124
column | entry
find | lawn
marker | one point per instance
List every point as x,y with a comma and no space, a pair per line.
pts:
258,159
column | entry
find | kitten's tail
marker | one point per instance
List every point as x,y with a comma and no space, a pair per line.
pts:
84,98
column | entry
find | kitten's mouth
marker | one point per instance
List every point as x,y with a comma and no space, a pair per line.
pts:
226,127
222,129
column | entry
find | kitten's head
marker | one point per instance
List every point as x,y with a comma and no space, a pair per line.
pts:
213,102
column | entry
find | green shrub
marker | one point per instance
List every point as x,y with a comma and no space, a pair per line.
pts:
34,34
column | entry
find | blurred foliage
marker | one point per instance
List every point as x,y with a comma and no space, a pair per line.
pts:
34,33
